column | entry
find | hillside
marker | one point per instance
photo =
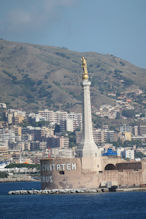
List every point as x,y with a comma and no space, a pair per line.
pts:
35,77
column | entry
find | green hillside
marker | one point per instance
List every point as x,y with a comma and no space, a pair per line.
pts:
35,77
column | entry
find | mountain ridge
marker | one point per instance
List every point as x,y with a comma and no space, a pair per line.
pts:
34,77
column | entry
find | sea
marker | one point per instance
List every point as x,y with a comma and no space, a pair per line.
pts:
113,205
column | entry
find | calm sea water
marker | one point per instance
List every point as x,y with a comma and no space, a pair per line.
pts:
106,205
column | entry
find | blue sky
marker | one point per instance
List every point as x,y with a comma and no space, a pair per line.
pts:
115,27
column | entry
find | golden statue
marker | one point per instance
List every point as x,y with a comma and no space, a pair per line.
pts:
84,66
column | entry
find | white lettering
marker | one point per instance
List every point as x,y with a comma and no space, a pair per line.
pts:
68,166
63,166
52,167
51,179
73,166
47,179
58,167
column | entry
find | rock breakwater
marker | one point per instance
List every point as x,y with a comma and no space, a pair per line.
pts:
73,191
55,191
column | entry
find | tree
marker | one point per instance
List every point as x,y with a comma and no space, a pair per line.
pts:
57,128
72,139
128,113
3,174
139,154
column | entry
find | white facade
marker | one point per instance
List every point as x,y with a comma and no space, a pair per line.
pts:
103,135
129,154
69,125
62,153
62,118
120,152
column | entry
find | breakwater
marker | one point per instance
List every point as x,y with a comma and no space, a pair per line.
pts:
55,191
72,191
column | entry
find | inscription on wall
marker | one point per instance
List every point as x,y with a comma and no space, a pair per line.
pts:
47,179
58,167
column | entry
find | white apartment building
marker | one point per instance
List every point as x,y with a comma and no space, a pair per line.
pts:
103,135
129,154
64,142
3,105
77,120
54,117
7,135
58,117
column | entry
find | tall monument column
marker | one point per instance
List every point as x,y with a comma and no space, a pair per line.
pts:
87,148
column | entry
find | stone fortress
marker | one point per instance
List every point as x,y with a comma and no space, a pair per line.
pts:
88,169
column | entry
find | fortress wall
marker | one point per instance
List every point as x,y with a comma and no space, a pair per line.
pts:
66,173
111,160
126,177
130,177
91,164
144,171
63,173
108,176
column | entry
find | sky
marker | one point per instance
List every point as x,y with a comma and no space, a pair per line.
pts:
116,27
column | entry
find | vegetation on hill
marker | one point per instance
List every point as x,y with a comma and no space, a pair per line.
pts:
34,77
23,165
3,174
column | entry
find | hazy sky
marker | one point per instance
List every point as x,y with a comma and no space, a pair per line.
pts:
115,27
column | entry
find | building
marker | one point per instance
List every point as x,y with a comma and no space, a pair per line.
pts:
109,152
67,121
3,153
104,135
69,125
88,169
58,142
3,106
64,142
77,120
34,145
127,136
120,152
142,130
129,154
139,130
125,128
15,116
53,142
53,117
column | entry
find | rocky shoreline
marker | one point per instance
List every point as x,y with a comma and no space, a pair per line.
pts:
72,191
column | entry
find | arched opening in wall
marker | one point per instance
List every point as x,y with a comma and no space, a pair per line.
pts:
110,167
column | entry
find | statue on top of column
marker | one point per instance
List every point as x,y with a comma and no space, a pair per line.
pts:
84,66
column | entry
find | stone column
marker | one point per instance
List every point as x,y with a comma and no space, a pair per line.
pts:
87,148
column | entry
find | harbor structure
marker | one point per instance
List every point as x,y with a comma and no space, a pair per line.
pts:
88,169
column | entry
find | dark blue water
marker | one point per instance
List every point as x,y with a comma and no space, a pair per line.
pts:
106,205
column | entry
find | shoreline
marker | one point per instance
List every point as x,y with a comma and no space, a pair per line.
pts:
74,191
